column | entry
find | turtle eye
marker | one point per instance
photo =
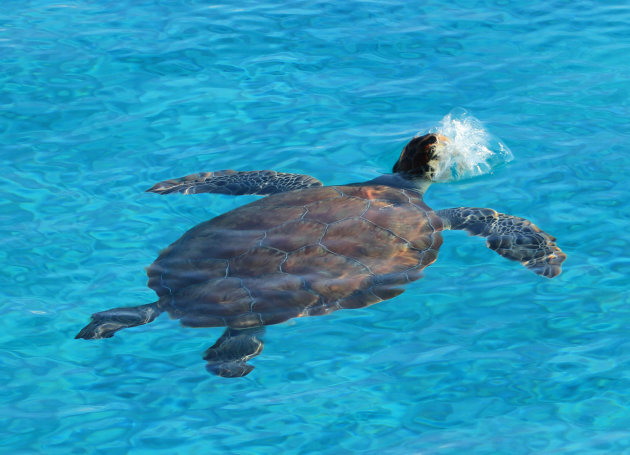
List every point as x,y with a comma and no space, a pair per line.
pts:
426,150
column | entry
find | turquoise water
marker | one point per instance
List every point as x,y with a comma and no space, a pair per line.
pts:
101,99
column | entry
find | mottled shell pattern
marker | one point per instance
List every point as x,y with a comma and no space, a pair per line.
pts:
300,253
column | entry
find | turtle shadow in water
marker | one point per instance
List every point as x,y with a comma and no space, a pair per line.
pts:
308,249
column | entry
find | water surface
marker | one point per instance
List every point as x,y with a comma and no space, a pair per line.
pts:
99,100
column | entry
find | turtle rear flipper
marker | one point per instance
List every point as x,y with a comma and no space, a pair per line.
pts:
236,183
106,323
229,355
512,237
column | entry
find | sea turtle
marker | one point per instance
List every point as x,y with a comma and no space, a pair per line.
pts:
308,249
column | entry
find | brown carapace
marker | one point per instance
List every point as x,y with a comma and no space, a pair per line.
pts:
301,253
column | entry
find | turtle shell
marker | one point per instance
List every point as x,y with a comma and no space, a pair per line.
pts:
300,253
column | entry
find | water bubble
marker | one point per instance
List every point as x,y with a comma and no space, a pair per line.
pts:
470,151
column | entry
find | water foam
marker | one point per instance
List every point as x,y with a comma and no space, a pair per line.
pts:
470,151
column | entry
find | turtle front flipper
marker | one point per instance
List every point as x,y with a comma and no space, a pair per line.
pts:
106,323
514,238
228,356
236,183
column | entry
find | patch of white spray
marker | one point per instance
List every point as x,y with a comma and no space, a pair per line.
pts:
470,151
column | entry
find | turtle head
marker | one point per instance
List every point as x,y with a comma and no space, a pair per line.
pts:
420,157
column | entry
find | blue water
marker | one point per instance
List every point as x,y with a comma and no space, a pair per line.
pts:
101,99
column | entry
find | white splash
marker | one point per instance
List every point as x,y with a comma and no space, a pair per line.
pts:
470,150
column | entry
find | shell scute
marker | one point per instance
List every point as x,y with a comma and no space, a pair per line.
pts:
219,243
294,235
375,192
299,198
280,297
407,222
429,257
359,299
379,249
279,292
166,275
328,274
436,221
386,292
218,297
256,261
254,217
270,300
340,208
